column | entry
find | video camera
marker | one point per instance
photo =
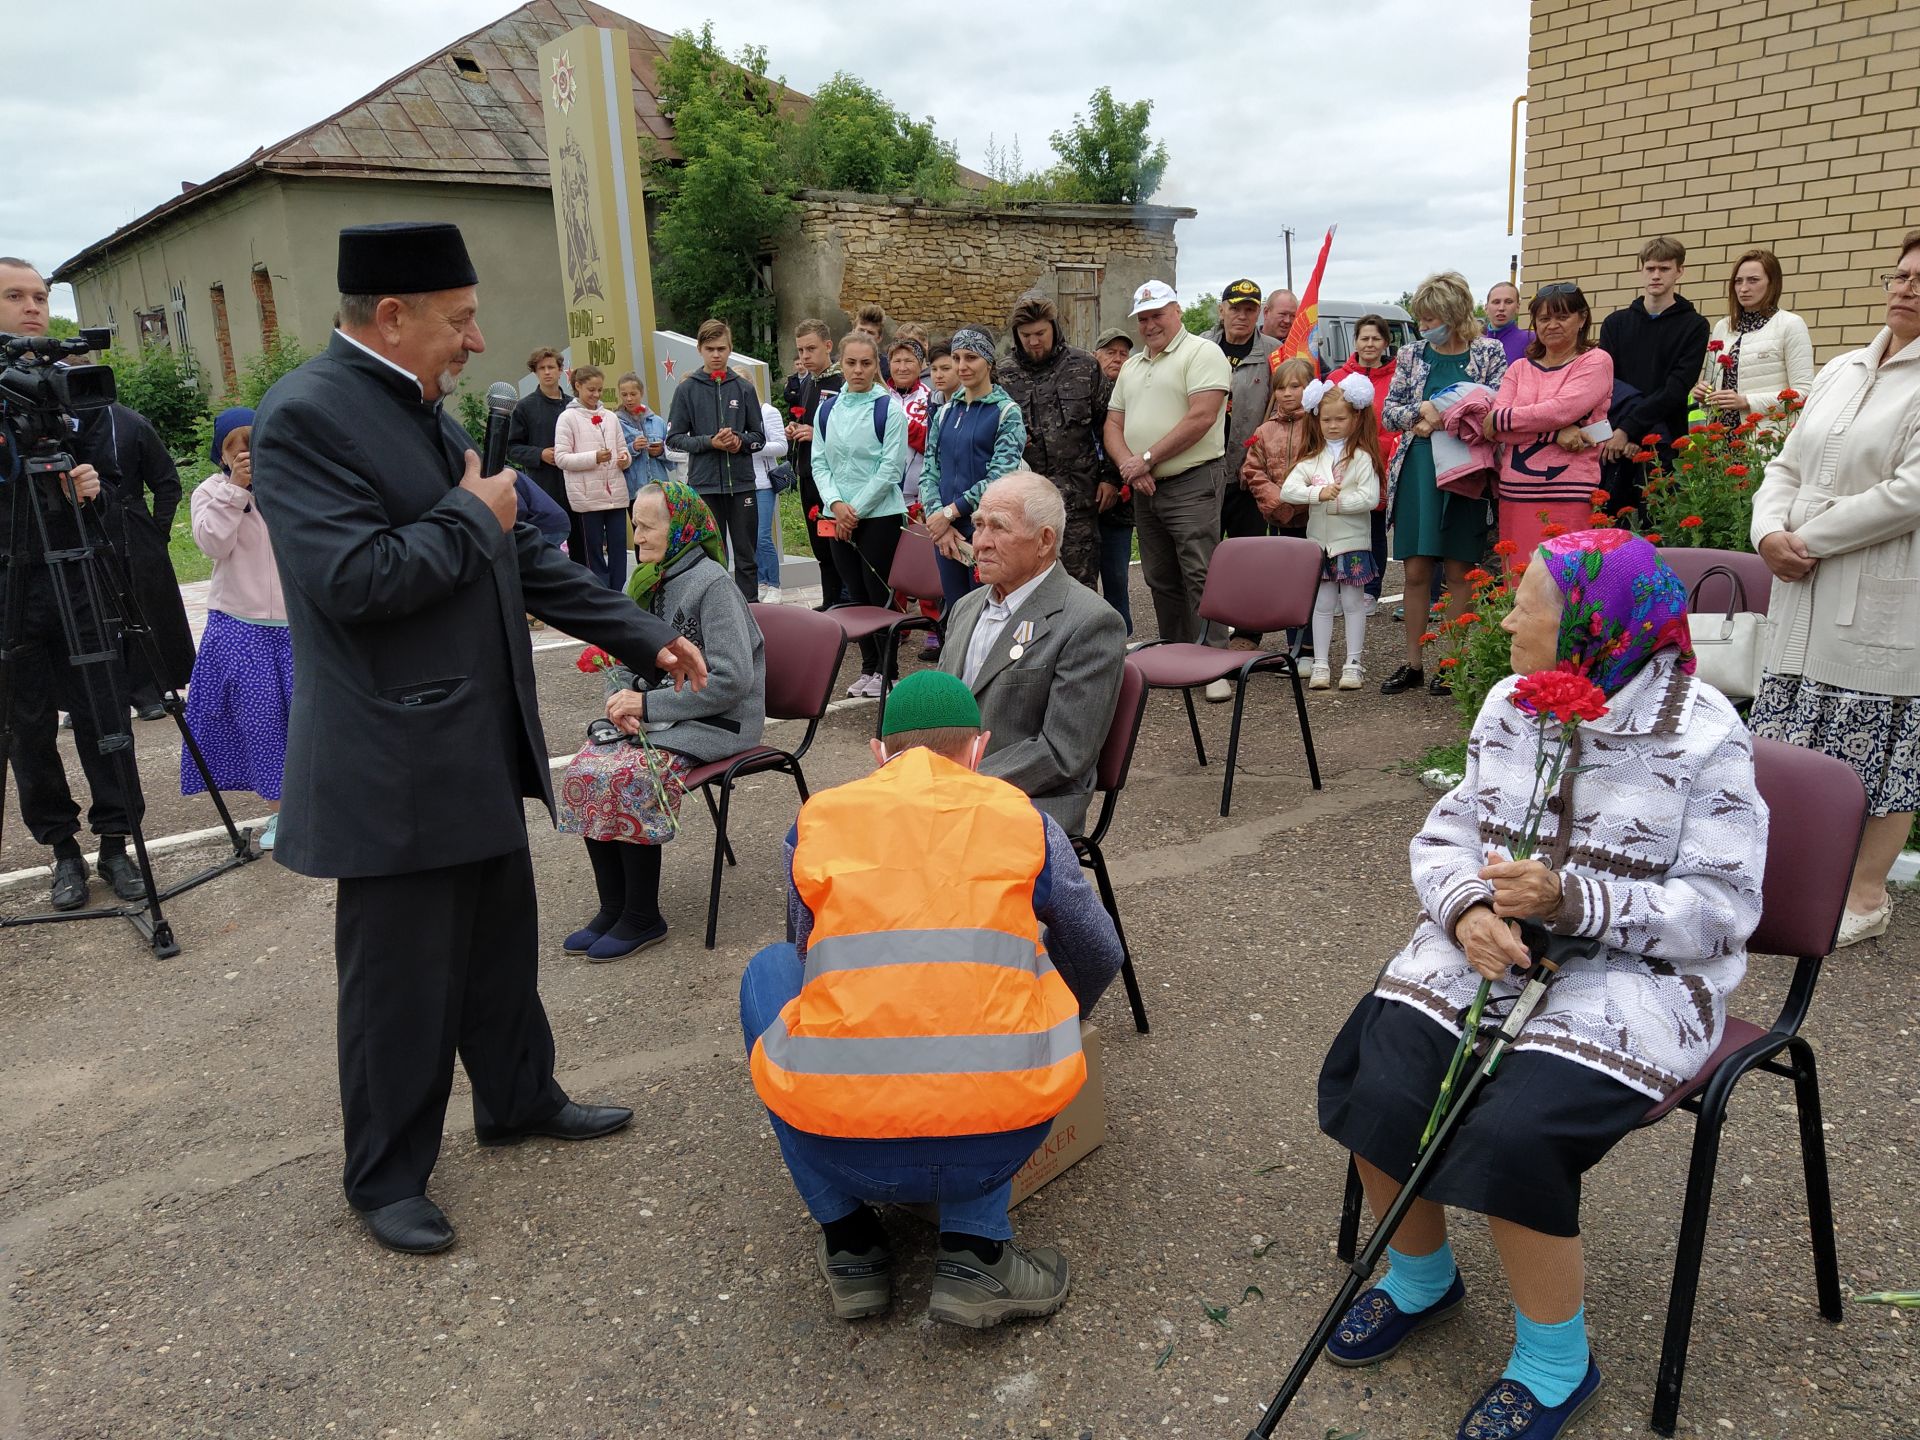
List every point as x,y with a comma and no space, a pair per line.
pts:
37,394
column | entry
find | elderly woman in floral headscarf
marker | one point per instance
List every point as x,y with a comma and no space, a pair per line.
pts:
622,793
1648,881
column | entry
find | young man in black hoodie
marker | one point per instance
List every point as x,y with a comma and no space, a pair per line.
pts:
715,420
1658,345
813,377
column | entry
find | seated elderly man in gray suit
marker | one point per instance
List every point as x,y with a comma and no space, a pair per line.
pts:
1040,651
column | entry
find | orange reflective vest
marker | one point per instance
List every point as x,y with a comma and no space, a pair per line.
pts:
928,1006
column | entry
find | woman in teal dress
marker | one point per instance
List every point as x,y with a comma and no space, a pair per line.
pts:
1430,527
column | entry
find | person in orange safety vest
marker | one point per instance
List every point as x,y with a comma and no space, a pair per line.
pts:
916,1039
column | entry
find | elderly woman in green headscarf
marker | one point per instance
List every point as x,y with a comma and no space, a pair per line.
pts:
622,794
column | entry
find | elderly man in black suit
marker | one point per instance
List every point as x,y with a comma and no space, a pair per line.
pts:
415,732
1040,651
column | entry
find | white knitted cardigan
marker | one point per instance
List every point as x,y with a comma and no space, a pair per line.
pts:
1660,845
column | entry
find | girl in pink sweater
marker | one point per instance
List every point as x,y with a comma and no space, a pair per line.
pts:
591,450
1549,468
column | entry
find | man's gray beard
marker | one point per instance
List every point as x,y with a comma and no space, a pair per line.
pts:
448,382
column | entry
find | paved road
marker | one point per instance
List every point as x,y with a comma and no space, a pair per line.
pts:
179,1262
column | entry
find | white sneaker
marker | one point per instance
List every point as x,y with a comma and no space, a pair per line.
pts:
1220,691
1855,927
769,594
1373,605
875,685
1322,677
1350,675
858,689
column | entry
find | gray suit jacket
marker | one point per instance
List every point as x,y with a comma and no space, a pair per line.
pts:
1050,707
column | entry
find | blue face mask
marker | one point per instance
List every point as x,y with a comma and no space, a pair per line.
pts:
1436,336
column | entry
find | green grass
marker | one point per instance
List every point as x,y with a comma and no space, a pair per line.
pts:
188,563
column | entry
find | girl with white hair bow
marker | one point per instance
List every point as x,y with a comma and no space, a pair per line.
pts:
1338,480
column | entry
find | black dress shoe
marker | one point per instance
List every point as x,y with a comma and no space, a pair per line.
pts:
69,884
415,1226
119,871
1439,686
1402,680
570,1122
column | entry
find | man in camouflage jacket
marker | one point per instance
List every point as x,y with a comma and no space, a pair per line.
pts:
1062,393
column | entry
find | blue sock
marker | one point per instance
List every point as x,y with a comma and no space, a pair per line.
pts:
1416,1282
1550,1360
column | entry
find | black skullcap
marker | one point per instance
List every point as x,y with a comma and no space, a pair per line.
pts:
404,257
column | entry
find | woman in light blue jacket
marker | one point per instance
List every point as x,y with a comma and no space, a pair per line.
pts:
859,457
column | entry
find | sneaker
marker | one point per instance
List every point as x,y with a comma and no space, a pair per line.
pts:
1376,1327
270,832
1400,612
1406,678
1021,1283
1373,605
1321,678
872,687
1509,1409
1350,677
1220,691
930,647
1855,927
769,594
862,1284
858,689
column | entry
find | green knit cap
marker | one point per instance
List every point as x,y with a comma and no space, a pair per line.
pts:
930,700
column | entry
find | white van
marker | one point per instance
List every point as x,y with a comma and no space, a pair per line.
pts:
1332,338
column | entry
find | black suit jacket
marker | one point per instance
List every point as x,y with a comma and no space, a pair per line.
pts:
415,733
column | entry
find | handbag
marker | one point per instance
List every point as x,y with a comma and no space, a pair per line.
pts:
1729,648
781,477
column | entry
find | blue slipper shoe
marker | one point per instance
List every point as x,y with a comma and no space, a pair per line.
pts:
581,940
615,946
1509,1410
1376,1327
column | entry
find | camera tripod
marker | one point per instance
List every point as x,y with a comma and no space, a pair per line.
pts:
95,572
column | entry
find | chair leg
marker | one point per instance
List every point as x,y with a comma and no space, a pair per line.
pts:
1193,724
1104,883
1306,731
800,782
1813,1155
1348,1245
722,852
706,793
1233,741
1686,1263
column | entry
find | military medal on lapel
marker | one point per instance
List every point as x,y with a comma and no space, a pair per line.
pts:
1022,633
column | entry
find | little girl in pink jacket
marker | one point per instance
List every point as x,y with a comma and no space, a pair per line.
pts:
591,450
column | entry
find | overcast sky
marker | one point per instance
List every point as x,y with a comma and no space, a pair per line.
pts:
1388,117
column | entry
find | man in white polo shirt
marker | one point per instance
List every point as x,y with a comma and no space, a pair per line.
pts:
1167,433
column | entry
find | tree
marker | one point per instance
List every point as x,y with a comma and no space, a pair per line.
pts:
854,138
1202,315
61,328
731,192
1110,153
257,375
160,385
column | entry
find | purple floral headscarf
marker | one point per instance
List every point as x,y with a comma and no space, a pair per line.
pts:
1621,604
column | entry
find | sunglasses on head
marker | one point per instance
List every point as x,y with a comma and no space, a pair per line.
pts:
1558,288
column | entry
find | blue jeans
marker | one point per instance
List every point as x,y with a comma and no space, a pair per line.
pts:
970,1177
766,554
1379,553
957,579
606,557
1116,559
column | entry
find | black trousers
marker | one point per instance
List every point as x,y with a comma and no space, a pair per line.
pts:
864,564
434,964
830,588
44,682
738,516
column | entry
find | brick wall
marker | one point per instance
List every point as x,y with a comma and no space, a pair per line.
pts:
222,335
269,313
1787,124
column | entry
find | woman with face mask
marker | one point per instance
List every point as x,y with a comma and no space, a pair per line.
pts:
1432,528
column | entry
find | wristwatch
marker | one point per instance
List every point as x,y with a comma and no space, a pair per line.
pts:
1146,458
952,512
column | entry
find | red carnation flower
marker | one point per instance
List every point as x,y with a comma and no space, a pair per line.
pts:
814,513
796,411
593,659
1692,522
1563,695
1727,362
594,418
1788,395
1716,345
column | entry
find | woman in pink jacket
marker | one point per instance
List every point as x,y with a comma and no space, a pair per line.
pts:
241,692
1549,468
591,450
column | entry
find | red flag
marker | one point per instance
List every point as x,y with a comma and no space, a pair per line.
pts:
1308,313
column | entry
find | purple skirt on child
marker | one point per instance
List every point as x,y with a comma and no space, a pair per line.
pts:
237,707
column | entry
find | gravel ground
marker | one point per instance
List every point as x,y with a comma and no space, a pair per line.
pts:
179,1261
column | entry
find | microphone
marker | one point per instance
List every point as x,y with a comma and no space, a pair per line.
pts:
501,398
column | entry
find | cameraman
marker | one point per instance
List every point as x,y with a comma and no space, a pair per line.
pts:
44,678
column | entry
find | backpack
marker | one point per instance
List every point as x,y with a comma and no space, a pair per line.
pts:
826,409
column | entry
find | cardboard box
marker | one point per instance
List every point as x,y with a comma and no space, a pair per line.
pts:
1077,1131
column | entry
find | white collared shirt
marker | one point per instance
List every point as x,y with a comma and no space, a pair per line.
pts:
994,616
383,360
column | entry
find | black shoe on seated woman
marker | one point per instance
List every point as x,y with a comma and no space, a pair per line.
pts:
1439,685
1406,678
583,939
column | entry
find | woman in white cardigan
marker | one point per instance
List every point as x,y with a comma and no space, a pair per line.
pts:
1835,521
1759,349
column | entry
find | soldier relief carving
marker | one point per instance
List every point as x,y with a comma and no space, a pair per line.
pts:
570,193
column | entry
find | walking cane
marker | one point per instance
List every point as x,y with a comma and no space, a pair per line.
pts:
1538,976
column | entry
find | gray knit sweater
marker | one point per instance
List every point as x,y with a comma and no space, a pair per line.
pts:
700,600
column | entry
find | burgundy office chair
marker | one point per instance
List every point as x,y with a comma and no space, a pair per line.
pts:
915,573
1110,778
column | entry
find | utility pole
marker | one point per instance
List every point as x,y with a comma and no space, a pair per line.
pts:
1286,233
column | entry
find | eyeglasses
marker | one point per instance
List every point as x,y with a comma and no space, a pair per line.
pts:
1559,287
1908,279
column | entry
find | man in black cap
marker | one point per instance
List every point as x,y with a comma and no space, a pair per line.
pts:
1247,351
416,731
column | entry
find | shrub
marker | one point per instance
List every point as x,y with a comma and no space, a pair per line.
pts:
250,386
1706,500
854,138
1110,153
160,384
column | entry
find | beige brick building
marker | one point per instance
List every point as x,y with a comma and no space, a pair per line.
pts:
1788,124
